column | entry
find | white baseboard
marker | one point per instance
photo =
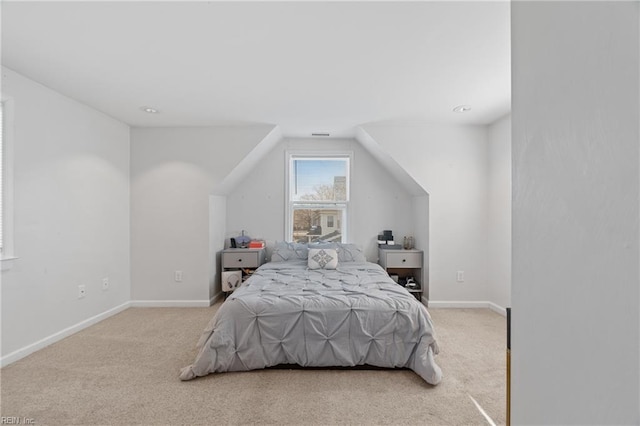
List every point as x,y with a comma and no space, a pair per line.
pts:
215,298
457,304
497,309
29,349
43,343
170,303
466,304
40,344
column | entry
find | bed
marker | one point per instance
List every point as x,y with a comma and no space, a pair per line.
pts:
344,313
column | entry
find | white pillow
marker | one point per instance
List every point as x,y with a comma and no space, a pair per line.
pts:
323,259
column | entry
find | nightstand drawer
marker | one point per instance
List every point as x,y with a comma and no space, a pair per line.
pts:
404,260
241,260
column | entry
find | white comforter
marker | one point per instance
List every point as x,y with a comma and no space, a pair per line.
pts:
288,314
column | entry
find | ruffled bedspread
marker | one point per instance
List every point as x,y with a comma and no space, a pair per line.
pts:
288,314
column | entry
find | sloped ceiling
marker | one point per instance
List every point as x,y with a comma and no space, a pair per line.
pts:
383,157
303,66
247,163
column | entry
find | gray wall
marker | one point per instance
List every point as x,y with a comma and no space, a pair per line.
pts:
378,201
575,291
499,215
71,214
173,173
451,164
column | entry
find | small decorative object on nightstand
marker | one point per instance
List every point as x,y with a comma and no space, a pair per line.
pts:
408,243
238,264
408,266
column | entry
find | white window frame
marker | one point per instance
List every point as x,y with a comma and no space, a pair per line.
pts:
290,205
7,254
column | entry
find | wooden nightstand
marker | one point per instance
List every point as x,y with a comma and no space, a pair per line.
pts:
406,264
238,264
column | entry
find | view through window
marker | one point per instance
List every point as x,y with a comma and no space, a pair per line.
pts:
318,198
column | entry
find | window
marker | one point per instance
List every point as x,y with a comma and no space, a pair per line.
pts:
330,221
317,197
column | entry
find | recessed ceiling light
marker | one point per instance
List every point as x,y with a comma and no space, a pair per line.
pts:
462,108
149,110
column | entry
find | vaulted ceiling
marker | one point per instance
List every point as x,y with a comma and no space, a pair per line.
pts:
304,66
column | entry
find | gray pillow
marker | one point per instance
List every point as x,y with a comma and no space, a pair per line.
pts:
323,245
284,251
350,253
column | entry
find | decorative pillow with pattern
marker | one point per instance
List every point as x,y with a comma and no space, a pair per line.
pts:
323,259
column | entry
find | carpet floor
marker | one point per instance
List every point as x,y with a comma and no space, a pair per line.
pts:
124,371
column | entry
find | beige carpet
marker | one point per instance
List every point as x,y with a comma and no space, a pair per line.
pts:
124,371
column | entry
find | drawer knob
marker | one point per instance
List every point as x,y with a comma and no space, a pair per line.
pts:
239,260
404,260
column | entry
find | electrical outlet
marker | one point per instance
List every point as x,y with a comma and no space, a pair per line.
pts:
82,291
177,276
460,276
105,284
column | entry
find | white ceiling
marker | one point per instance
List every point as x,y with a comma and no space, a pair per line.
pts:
305,66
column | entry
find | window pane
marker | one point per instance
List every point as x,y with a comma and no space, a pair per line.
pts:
319,179
310,225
